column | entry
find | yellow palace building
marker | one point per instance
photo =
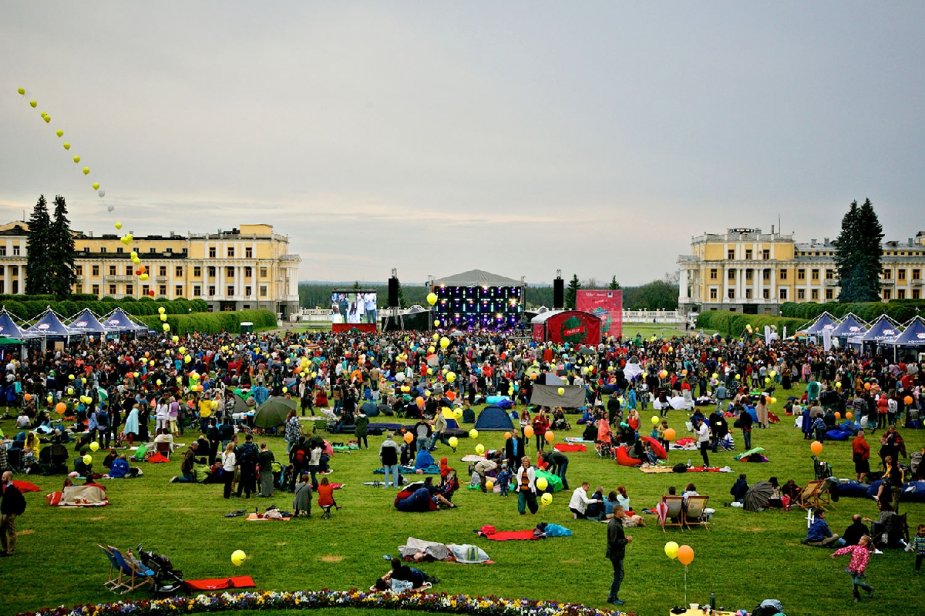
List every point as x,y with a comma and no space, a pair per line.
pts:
746,270
248,267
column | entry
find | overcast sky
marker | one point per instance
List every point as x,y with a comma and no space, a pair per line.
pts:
437,137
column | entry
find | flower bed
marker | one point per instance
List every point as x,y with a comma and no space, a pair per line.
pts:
310,599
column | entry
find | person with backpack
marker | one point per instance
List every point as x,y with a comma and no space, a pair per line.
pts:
248,456
12,505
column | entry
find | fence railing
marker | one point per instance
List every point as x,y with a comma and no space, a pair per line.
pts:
653,316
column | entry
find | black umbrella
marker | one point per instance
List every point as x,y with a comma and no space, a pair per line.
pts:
273,412
758,496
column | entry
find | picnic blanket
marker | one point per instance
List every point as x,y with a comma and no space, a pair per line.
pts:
686,443
690,469
577,439
157,458
541,531
512,535
257,517
78,496
25,486
244,581
419,549
570,447
433,469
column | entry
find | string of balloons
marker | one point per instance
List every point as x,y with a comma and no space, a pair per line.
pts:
141,271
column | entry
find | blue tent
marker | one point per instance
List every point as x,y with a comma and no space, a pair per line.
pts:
119,321
882,329
850,326
48,325
8,327
913,335
86,323
494,418
824,322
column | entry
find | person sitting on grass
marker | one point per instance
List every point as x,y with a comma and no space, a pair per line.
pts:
302,500
820,535
188,466
739,489
326,497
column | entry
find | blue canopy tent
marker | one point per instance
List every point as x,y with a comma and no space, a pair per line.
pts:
849,327
913,336
86,322
9,328
119,322
824,322
881,330
49,325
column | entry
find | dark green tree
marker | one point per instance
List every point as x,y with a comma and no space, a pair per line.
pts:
37,242
858,255
61,252
571,292
614,285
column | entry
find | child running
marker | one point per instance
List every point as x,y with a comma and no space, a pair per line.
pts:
860,556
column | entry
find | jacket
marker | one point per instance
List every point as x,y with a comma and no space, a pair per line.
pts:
12,502
388,452
616,539
531,475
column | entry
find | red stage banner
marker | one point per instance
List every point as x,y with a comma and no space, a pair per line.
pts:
607,306
346,327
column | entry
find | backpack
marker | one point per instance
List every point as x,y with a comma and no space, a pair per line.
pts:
102,418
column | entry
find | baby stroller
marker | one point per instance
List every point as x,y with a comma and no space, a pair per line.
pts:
607,450
167,580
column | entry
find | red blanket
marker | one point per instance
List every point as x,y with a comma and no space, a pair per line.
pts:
25,486
244,581
570,447
489,532
157,458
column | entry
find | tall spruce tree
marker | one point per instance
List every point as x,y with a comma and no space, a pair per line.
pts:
61,252
571,292
614,285
859,254
38,241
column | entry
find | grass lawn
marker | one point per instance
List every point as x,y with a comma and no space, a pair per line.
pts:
744,558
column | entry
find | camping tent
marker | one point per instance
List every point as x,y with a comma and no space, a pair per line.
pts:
573,326
86,323
494,418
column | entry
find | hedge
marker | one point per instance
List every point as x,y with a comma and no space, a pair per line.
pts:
733,323
28,307
210,322
899,310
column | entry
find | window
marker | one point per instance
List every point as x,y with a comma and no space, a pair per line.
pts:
2,251
829,294
15,287
178,290
766,293
79,270
168,250
162,271
748,293
815,274
263,272
15,270
887,274
197,272
801,294
211,271
766,254
900,294
229,272
249,252
731,293
263,290
102,250
248,272
179,271
901,274
197,290
129,289
783,274
731,254
145,290
120,250
247,291
15,251
783,294
152,251
128,270
887,294
814,295
112,289
766,275
95,270
801,274
211,290
731,273
829,274
231,252
748,274
714,293
748,255
230,290
212,252
916,294
95,289
112,270
162,290
916,274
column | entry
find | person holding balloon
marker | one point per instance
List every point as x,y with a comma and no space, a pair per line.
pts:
526,487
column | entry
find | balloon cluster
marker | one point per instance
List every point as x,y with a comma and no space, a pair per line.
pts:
684,553
67,146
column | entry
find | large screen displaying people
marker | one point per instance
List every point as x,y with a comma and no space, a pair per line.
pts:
353,307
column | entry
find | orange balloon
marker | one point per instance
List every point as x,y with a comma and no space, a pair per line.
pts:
867,386
849,415
816,448
419,401
685,555
669,434
908,400
507,436
451,395
27,397
837,415
408,437
550,436
528,432
60,408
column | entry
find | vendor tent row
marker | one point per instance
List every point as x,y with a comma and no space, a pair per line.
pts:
851,330
50,324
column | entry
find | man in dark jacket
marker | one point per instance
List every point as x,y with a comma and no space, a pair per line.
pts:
857,530
739,489
514,450
12,505
388,455
745,422
616,551
718,428
247,458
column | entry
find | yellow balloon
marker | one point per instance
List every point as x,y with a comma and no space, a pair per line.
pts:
480,449
67,146
671,550
444,342
431,298
59,132
143,277
22,91
453,441
238,557
87,459
176,339
33,104
489,485
47,118
436,322
542,483
166,327
95,185
473,433
546,499
94,446
86,170
76,159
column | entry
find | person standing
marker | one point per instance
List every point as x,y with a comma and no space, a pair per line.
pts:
703,441
12,505
361,428
265,461
745,422
514,450
229,462
526,487
616,551
860,556
293,432
388,455
248,458
860,451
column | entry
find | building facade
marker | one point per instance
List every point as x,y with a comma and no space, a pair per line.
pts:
246,268
745,270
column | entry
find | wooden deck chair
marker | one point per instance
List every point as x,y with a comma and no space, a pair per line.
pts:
134,576
694,516
114,582
815,495
673,511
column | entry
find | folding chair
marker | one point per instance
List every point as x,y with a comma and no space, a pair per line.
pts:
815,496
672,506
138,575
114,581
695,516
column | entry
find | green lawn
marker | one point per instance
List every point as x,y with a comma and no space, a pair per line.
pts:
745,558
